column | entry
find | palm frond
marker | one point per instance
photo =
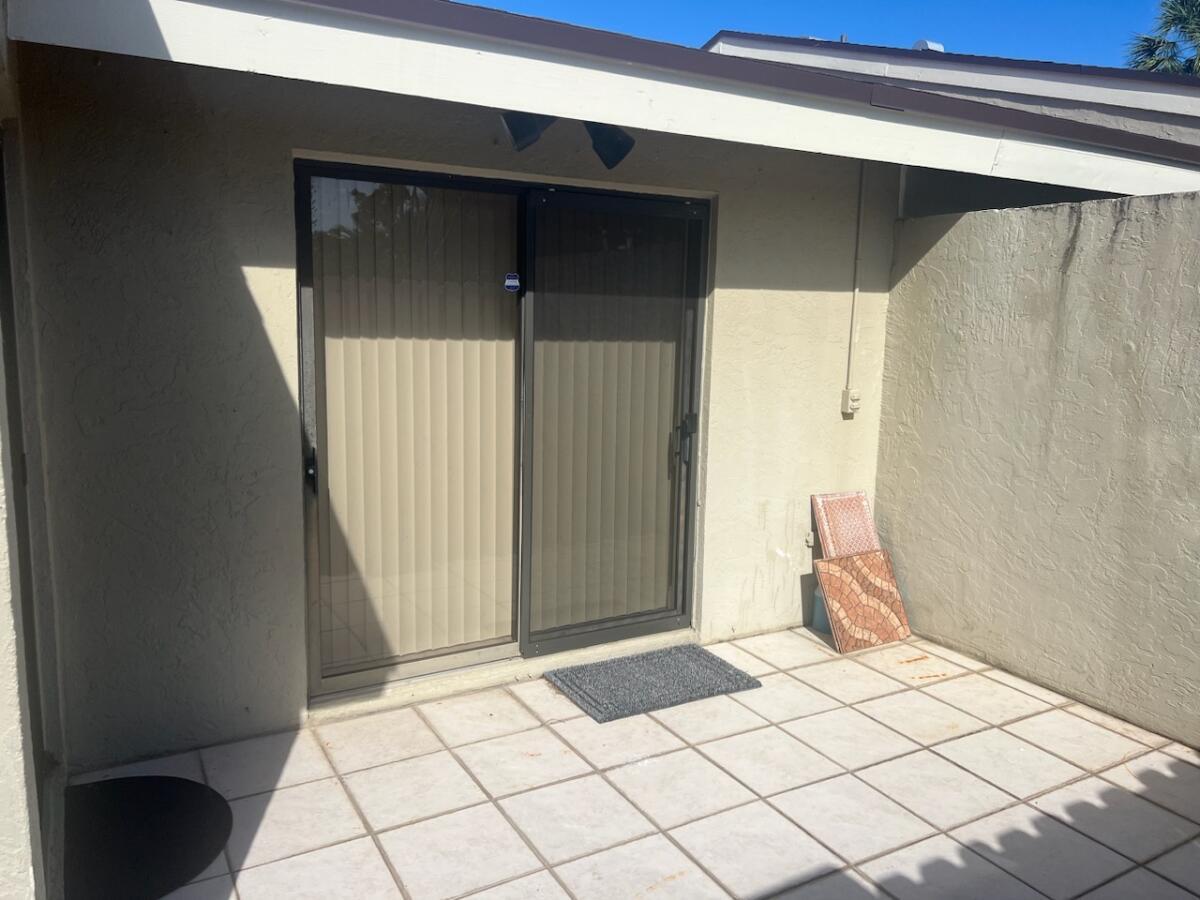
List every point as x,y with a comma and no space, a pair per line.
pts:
1180,20
1172,12
1156,53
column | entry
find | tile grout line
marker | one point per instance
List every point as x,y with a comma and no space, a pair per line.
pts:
1147,798
235,870
859,655
757,796
760,798
856,656
366,824
904,687
1028,801
937,830
1096,772
766,798
1143,867
767,723
732,696
990,726
225,849
664,832
324,846
495,804
391,762
335,774
659,830
1018,801
1146,865
853,706
1173,847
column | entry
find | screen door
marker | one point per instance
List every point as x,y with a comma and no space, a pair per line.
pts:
415,345
610,328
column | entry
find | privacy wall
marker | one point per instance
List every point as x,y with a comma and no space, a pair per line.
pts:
1039,475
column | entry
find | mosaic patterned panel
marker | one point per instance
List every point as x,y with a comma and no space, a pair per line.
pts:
862,599
844,524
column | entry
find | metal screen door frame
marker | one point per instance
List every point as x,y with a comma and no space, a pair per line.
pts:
313,427
312,382
695,213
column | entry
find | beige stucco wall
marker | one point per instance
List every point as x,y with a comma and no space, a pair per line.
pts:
20,844
163,247
777,357
20,840
1039,474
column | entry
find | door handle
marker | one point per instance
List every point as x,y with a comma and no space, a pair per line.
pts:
681,437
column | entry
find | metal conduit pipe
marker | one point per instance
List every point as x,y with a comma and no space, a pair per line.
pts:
850,396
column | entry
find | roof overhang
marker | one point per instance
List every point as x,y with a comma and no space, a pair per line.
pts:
462,54
1164,93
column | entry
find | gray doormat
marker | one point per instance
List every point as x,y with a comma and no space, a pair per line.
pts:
617,688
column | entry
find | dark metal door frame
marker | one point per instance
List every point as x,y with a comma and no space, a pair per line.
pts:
687,387
312,365
697,213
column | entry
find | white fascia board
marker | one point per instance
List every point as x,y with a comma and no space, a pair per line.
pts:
292,40
1175,99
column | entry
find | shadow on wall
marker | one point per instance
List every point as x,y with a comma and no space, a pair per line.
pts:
163,326
164,329
921,235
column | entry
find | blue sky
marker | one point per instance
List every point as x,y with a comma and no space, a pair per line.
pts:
1079,31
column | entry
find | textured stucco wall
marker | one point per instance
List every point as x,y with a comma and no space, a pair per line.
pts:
20,842
18,825
780,325
164,313
1039,476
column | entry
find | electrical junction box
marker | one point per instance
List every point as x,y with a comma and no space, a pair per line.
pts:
851,401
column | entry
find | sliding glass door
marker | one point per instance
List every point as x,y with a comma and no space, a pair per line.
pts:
499,415
610,326
417,420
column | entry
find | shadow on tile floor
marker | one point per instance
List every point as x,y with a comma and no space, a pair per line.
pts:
1022,853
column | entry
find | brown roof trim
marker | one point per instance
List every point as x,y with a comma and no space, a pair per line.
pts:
545,33
1004,62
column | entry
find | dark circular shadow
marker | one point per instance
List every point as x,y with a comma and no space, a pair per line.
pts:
135,838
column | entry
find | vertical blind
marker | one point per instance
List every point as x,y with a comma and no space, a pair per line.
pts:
608,309
419,418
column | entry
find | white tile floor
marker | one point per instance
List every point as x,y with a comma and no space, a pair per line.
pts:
906,772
